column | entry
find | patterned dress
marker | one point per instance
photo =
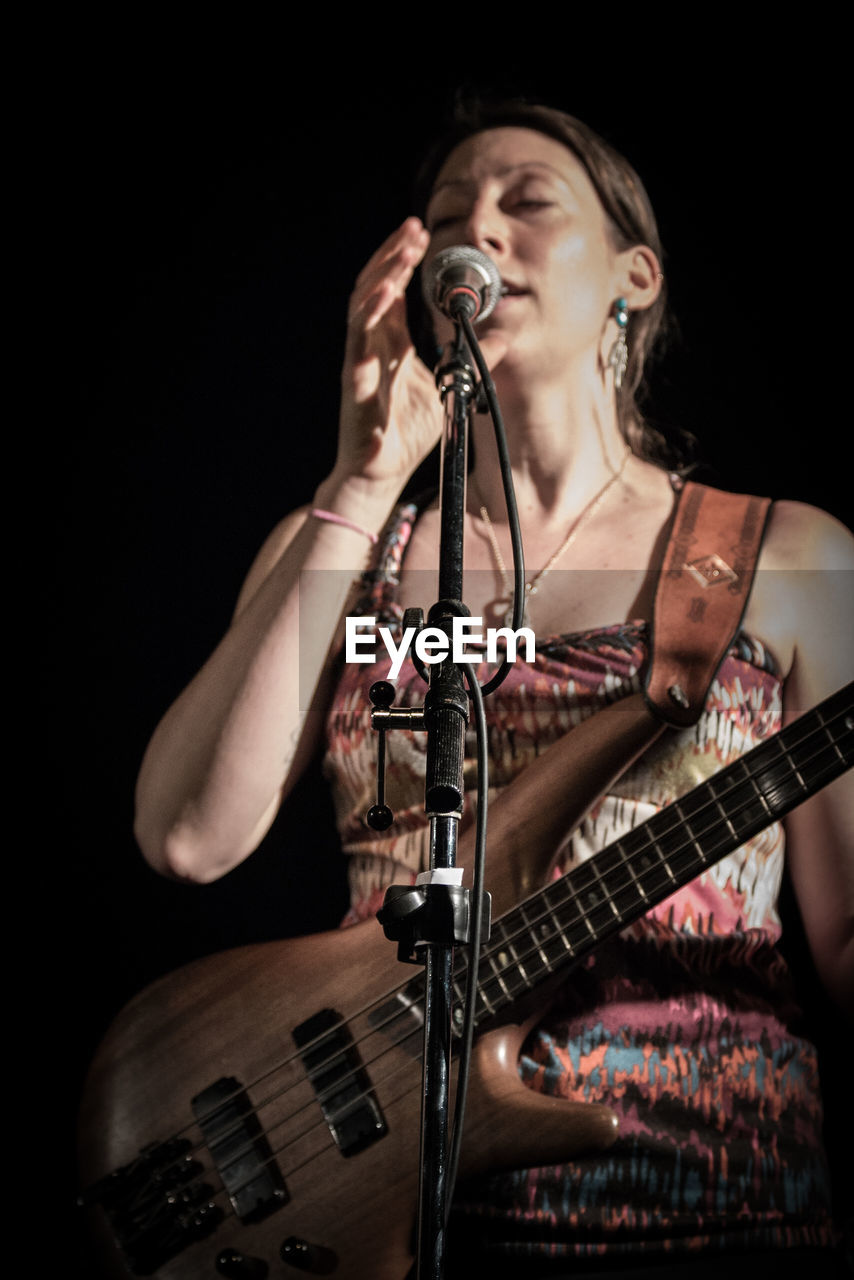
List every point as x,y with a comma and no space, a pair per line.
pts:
682,1024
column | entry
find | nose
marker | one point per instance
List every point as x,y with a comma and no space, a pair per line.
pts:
485,227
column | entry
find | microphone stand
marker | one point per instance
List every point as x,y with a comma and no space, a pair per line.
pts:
439,918
446,717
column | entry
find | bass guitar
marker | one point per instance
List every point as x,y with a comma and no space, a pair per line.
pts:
257,1112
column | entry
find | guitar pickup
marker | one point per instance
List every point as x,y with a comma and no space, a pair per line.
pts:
240,1150
340,1081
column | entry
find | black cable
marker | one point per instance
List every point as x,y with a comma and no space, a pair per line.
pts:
509,495
477,694
475,932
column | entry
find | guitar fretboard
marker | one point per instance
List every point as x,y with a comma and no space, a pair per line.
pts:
561,923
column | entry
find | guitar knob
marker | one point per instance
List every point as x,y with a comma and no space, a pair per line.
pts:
313,1258
235,1265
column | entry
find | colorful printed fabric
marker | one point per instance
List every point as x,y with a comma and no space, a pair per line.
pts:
682,1023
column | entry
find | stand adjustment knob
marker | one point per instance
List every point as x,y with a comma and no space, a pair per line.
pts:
382,693
379,817
384,717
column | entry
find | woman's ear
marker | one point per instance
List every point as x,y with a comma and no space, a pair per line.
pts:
640,275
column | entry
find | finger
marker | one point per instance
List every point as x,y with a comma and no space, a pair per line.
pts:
381,289
411,231
365,338
393,265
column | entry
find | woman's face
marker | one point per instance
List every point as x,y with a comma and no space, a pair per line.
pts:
526,201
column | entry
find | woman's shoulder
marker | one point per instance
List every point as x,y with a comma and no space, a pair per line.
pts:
801,536
797,535
801,602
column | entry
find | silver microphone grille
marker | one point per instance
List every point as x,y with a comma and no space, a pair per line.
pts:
462,266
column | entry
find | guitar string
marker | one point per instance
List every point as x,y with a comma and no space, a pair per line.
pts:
328,1143
323,1127
614,922
626,861
392,992
524,932
506,942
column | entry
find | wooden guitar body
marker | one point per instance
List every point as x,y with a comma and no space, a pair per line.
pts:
258,1112
231,1016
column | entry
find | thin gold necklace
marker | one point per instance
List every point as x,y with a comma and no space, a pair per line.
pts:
532,587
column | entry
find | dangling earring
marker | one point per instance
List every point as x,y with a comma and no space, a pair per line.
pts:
619,358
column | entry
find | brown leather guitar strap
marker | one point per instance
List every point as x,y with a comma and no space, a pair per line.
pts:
701,596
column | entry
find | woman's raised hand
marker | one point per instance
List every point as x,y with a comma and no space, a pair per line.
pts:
391,415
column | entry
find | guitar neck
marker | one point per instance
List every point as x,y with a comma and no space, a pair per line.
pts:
563,922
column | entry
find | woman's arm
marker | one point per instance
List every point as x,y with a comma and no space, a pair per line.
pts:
239,735
806,575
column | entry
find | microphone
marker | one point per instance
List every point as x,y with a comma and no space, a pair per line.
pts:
462,283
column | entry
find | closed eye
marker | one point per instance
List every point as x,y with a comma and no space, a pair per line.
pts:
449,219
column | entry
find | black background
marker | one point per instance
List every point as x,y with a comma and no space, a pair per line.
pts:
212,216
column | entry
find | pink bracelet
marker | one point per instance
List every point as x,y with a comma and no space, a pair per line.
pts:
348,524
